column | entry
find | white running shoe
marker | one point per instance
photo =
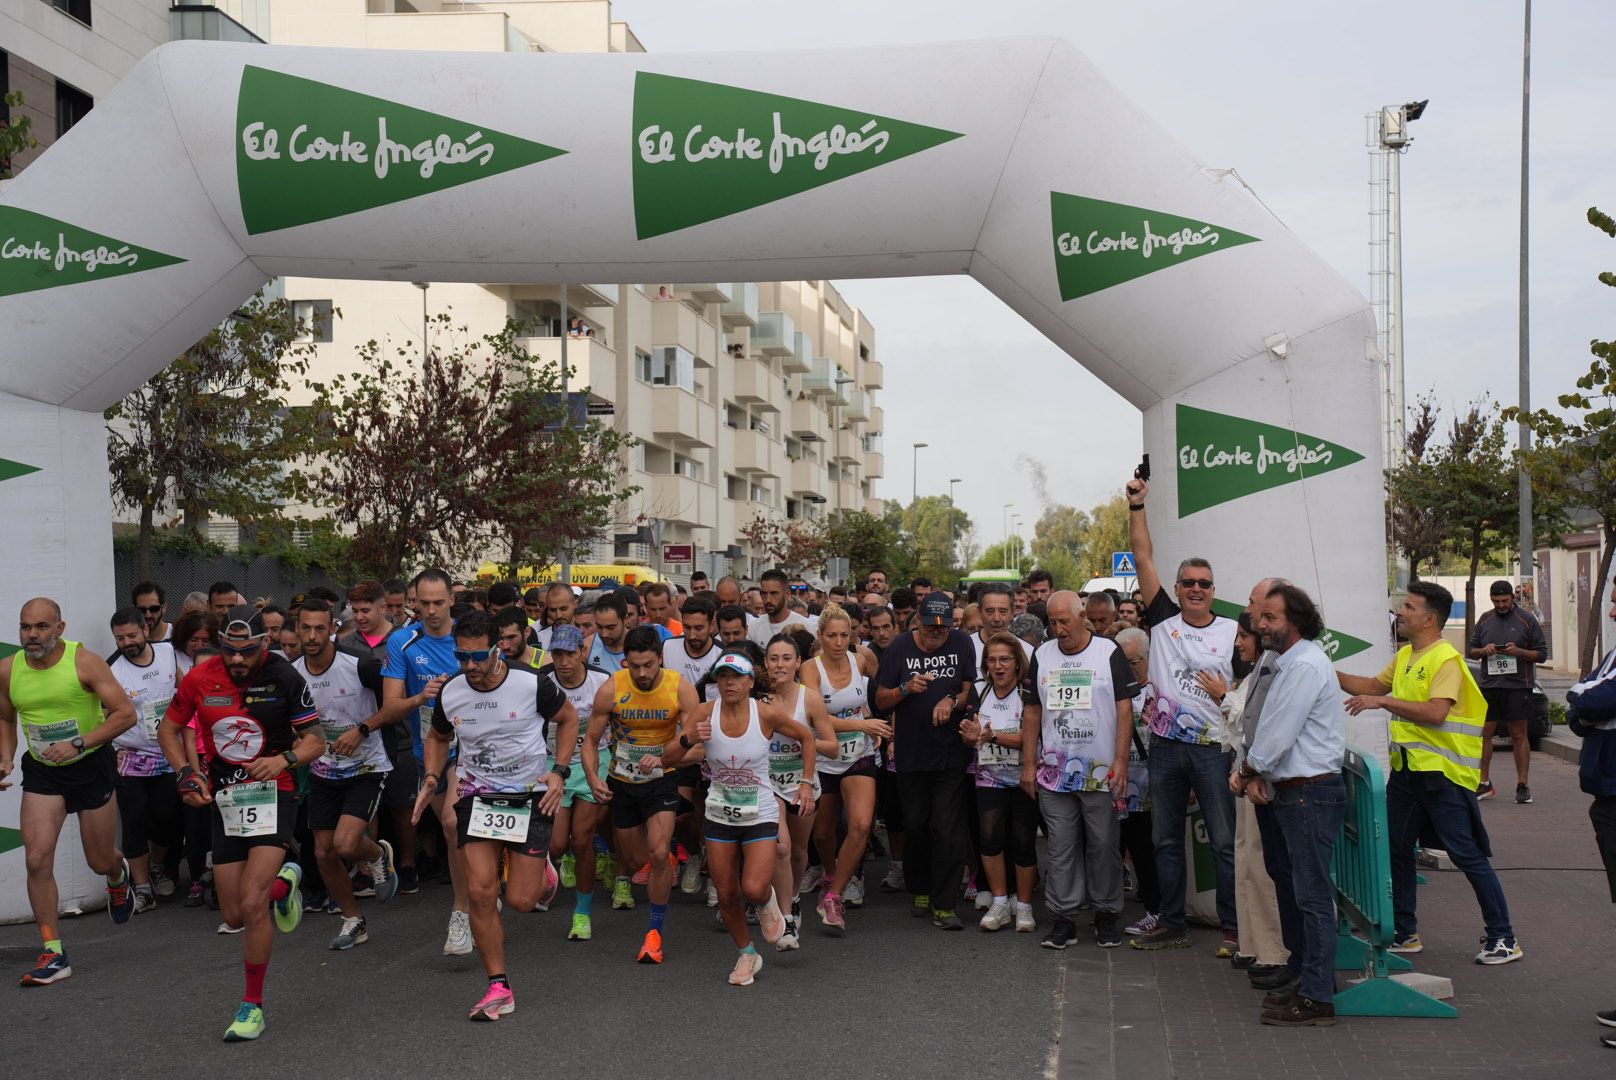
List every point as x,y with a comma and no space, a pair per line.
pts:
690,880
811,877
984,900
893,882
459,942
788,940
746,966
712,893
770,921
997,918
853,895
1025,923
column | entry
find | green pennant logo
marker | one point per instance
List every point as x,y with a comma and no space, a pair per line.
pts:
10,839
705,150
10,470
1099,244
307,151
39,252
1336,645
1221,458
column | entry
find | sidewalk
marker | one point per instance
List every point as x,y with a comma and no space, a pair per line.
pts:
1532,1018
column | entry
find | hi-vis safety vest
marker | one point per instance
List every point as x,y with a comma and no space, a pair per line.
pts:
1453,747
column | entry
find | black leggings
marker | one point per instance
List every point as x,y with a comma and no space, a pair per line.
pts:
198,839
1134,839
149,810
1008,815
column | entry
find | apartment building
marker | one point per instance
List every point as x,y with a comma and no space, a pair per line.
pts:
748,399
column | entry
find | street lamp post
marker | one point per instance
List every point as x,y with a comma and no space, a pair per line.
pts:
1007,509
836,430
914,489
423,286
1526,534
951,482
1015,531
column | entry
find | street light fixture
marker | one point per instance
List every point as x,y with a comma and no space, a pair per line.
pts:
951,482
914,488
1015,530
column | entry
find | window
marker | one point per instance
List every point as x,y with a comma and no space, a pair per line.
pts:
734,488
686,467
760,426
72,105
793,509
734,418
642,365
760,494
673,366
315,317
79,9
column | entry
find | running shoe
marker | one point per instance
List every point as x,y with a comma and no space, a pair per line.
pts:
1496,951
384,874
1229,945
459,942
1608,1017
409,881
552,885
226,928
288,912
1147,925
1407,944
364,885
1130,884
770,921
248,1024
788,938
751,915
622,895
1062,934
1485,790
642,876
1523,794
997,918
581,928
121,898
569,870
811,879
328,905
605,865
498,1002
712,893
920,907
690,879
893,882
50,967
853,895
651,949
746,966
1106,934
1163,937
984,899
832,911
162,884
1025,923
946,920
353,932
196,895
145,899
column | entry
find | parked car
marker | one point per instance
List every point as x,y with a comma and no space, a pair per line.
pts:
1537,713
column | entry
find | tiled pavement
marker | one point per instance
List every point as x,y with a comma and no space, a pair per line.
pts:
1185,1014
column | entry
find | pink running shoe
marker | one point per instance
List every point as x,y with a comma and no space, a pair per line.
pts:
498,1002
832,910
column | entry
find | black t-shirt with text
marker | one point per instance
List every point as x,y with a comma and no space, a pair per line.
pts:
922,745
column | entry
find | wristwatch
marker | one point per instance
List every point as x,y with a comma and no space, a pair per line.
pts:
364,731
78,743
291,759
561,770
684,741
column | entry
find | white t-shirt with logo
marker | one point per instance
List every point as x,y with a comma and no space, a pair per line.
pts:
676,657
150,689
1182,710
1079,694
582,697
500,731
346,693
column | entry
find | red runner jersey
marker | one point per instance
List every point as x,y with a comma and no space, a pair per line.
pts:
238,724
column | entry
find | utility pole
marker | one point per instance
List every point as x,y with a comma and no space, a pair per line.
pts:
566,421
1525,436
951,482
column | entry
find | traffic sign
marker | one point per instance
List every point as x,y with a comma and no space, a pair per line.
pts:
1122,564
678,553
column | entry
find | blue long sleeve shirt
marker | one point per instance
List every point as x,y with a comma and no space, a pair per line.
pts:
1304,728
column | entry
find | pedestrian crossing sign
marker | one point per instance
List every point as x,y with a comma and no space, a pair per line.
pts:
1122,564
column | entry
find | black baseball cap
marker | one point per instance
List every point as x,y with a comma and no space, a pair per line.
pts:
936,610
243,619
1501,588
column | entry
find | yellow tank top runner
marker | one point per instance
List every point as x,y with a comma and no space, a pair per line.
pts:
53,705
643,722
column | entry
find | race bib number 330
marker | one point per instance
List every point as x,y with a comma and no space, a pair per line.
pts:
497,820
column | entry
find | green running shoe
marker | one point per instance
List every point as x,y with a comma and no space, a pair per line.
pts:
289,912
569,865
622,895
605,867
581,930
248,1025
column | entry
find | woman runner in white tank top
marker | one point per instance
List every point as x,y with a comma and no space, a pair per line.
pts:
841,678
784,662
741,810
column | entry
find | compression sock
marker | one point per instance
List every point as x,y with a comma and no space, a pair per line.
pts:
585,904
750,948
279,890
659,912
255,982
47,934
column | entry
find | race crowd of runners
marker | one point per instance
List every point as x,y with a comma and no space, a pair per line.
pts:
760,744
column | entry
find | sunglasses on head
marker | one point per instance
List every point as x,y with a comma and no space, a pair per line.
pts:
476,656
1195,583
240,650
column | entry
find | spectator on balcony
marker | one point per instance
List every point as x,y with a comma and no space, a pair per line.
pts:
662,293
576,327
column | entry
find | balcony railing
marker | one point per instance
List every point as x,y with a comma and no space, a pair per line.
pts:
741,309
712,293
800,358
774,334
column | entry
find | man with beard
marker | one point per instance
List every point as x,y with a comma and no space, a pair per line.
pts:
148,802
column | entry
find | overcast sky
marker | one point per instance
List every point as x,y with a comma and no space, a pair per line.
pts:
1277,90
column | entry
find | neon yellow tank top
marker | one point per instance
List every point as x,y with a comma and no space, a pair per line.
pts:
53,705
643,723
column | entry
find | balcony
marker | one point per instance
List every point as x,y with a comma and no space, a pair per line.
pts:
808,421
755,383
807,477
878,421
875,464
705,294
820,378
681,418
774,333
874,374
798,362
593,364
677,324
857,408
758,455
678,498
847,449
741,309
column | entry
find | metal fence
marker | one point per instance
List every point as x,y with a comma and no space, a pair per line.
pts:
180,574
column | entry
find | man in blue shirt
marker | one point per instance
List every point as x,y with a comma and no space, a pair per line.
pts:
1295,764
420,659
611,628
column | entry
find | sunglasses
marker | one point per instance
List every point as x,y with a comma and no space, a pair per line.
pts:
153,609
241,650
1195,583
476,656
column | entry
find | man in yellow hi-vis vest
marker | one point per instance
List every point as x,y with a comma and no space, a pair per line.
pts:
1438,715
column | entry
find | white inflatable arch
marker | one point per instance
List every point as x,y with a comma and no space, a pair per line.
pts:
214,168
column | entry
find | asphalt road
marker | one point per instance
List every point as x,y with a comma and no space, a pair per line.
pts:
894,997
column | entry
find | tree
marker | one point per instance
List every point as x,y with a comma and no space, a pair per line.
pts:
867,542
1003,555
1108,532
15,136
795,546
1474,491
931,527
211,432
1576,456
1413,517
437,463
1060,528
1075,546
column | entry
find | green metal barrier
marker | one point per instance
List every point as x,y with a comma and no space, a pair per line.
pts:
1362,872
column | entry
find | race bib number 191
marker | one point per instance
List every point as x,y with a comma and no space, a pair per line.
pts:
1069,688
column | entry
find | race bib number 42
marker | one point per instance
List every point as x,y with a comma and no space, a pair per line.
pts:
496,820
1069,688
248,809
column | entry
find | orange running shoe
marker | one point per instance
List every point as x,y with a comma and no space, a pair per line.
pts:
651,951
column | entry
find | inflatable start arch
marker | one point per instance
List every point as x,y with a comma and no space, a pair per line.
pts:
216,167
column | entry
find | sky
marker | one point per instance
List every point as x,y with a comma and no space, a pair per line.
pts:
1277,90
